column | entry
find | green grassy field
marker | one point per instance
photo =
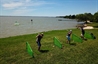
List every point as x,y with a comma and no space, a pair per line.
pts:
13,49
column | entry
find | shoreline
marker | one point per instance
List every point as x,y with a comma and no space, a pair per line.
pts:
86,27
40,32
34,33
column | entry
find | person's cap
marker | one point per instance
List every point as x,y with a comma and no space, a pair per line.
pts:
70,30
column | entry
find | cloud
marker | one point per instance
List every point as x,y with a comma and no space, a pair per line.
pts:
28,0
18,7
33,3
12,5
23,3
22,11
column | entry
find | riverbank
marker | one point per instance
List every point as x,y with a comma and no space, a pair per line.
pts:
91,26
13,49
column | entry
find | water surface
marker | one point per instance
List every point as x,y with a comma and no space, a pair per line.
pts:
28,26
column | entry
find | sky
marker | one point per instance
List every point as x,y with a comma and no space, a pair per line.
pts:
47,7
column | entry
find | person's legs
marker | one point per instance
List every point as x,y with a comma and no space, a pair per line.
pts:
38,48
68,39
82,36
39,45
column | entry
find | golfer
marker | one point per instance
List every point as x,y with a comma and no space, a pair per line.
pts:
82,32
68,36
38,40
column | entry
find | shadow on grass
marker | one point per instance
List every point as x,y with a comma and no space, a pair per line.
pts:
73,44
95,26
85,39
44,51
30,57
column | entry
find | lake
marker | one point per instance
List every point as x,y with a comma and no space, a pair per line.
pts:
20,25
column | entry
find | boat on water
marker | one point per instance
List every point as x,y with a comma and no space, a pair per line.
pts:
16,23
60,20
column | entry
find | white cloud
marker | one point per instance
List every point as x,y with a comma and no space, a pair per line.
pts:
22,11
18,7
28,0
39,3
12,5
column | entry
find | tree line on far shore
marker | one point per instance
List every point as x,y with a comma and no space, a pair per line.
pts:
83,17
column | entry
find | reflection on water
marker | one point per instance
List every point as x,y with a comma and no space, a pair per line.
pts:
15,25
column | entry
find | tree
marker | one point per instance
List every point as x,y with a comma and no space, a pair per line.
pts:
70,16
88,16
73,16
96,17
80,17
85,17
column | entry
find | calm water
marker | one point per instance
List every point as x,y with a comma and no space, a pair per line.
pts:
26,26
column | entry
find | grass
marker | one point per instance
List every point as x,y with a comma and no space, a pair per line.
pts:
95,25
13,49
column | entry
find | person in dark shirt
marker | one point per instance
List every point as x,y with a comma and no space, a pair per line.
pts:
82,32
38,40
68,36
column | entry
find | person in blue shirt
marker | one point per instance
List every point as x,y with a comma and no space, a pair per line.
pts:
68,36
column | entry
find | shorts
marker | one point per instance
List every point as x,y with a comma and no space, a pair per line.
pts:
68,37
38,43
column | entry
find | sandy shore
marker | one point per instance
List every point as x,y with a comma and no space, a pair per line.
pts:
85,26
88,27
